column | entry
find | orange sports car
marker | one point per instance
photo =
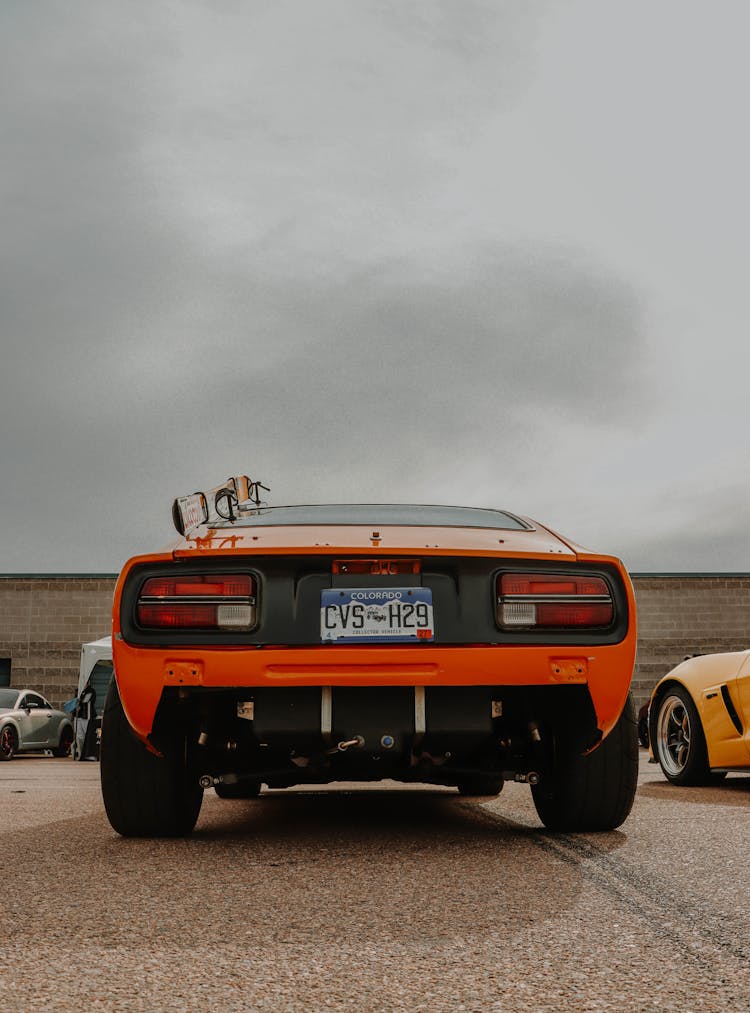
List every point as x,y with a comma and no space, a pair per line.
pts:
307,644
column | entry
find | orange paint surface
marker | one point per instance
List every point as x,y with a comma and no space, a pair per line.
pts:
143,672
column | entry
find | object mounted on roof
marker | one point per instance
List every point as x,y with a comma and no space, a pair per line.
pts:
224,503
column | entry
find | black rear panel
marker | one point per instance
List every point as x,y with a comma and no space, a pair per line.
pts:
289,600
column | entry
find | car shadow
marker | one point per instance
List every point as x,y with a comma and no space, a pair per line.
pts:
386,867
351,815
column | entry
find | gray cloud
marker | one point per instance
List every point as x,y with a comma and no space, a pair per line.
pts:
285,238
390,367
703,519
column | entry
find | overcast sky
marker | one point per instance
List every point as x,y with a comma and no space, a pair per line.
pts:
488,253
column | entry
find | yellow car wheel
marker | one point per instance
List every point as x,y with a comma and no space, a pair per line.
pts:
680,742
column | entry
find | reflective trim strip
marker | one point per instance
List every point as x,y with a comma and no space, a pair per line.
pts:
326,711
585,599
420,720
197,599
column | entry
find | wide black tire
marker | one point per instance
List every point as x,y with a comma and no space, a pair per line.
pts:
144,795
66,742
594,792
679,740
242,789
8,742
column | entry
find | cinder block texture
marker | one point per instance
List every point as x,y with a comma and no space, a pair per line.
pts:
680,615
44,621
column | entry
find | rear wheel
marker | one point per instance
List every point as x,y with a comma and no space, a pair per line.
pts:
66,742
680,744
593,792
8,742
145,795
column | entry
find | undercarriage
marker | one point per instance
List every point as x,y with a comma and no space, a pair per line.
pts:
467,736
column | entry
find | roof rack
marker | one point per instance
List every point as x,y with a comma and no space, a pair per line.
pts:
224,503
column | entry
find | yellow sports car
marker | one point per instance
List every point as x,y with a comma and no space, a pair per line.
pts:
699,718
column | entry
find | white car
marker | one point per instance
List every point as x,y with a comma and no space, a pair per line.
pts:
29,723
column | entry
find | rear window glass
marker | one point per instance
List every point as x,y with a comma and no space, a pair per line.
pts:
380,515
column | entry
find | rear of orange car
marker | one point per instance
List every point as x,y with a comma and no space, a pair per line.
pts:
455,646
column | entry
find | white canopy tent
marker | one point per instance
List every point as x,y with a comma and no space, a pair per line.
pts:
94,676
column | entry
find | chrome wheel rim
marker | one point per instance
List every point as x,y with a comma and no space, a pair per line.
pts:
673,734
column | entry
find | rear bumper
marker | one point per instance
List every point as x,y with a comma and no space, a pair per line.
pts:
144,673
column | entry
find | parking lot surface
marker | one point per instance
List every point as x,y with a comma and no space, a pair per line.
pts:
379,900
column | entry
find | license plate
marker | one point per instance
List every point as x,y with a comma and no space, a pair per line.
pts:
354,614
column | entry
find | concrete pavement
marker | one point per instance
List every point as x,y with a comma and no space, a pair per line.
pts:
382,900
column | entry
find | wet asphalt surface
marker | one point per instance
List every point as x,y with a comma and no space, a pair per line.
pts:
385,899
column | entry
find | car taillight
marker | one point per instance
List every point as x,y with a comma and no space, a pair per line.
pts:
532,600
206,601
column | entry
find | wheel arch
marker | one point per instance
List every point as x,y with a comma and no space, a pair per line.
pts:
13,724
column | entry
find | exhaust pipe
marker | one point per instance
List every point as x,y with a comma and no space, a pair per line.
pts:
531,777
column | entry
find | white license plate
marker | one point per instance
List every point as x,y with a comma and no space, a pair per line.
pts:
353,614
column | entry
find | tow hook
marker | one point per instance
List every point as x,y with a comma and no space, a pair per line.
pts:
354,743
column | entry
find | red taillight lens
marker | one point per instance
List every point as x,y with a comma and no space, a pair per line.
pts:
567,601
573,615
547,583
230,586
203,601
161,615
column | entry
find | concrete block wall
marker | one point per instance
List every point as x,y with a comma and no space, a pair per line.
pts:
680,614
44,621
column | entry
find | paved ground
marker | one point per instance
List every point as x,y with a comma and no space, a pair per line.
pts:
387,900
